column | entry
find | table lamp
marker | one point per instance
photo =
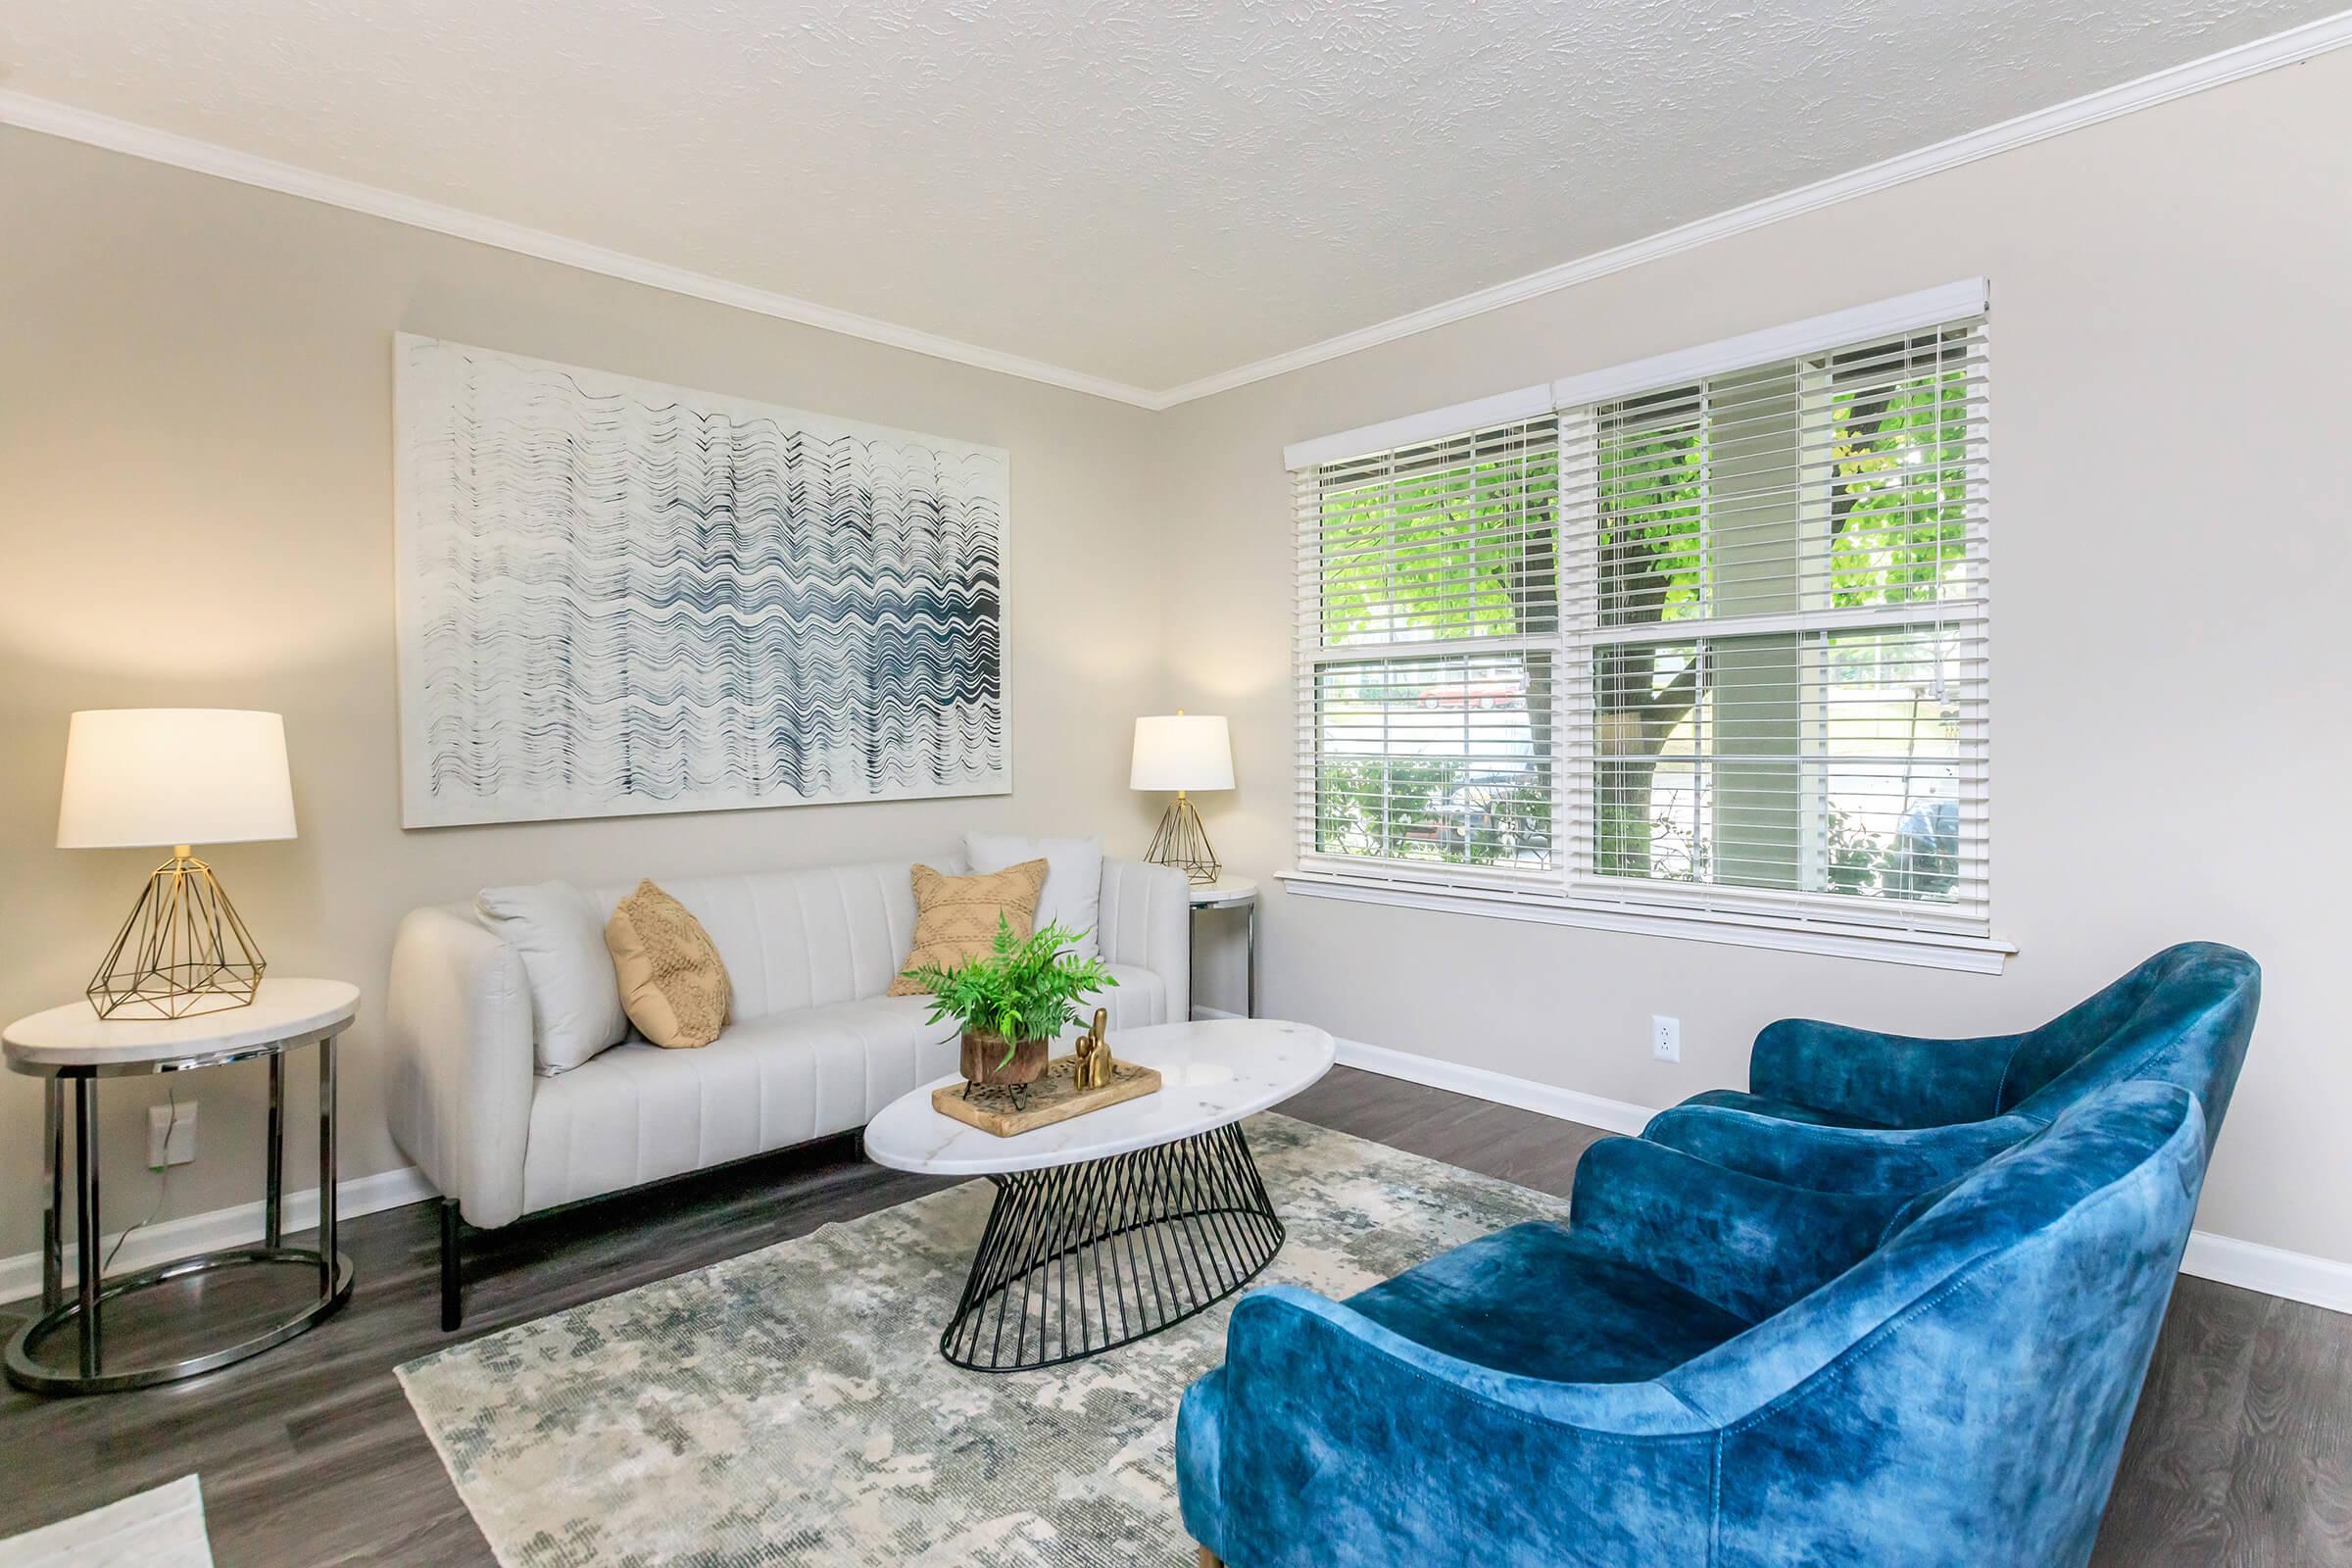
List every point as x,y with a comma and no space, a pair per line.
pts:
182,776
1183,752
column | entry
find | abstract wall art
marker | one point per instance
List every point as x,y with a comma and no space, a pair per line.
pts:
617,597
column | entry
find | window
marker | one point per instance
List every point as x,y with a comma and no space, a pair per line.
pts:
1704,643
1431,627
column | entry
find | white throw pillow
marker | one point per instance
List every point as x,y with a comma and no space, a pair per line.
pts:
1073,891
575,1001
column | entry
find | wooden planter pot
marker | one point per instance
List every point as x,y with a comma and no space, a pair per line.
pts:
982,1052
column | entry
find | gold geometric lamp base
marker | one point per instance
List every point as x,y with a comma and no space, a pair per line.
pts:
184,952
1182,840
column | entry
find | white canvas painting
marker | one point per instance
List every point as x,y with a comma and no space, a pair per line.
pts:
617,597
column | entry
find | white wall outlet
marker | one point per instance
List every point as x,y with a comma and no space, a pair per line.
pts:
171,1140
1665,1037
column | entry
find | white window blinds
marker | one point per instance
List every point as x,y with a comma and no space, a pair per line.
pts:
1430,633
1711,646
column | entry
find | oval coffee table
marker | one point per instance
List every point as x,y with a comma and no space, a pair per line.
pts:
1124,1222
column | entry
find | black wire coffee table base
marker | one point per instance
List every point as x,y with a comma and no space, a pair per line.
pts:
1079,1260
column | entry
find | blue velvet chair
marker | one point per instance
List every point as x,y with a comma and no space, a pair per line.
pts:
1704,1369
1849,1110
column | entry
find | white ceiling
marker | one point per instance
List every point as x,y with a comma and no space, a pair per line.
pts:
1149,191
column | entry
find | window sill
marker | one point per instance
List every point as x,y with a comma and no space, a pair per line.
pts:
1969,955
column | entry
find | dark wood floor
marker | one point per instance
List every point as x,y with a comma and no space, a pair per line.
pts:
2241,1453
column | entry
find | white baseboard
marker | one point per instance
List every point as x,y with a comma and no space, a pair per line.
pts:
239,1226
2296,1276
1569,1104
2249,1265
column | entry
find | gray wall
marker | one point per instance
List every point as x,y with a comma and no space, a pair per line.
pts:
196,502
2172,558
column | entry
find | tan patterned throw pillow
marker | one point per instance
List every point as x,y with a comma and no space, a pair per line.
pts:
955,916
672,986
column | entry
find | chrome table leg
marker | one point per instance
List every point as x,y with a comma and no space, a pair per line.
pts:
274,1198
1253,946
53,1209
85,1219
326,1169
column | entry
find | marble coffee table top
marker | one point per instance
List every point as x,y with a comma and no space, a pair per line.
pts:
1211,1073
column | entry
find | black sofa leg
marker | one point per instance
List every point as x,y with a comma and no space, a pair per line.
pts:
453,1308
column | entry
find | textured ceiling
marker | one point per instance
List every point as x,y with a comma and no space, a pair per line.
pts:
1147,190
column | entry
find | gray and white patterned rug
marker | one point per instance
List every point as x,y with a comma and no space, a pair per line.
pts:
791,1406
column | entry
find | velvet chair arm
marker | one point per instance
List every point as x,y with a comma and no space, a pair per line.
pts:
1835,1160
1886,1080
1750,1245
1341,1443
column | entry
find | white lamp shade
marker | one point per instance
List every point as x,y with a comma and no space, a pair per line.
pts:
138,776
1182,752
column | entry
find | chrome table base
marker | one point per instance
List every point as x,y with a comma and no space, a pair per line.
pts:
84,1313
1079,1260
25,1371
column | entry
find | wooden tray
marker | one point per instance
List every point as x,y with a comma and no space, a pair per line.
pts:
991,1108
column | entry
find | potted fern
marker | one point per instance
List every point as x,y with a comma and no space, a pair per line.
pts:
1014,1000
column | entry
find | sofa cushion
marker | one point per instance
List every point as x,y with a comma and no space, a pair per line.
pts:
637,1114
1139,1000
1073,890
1781,1109
558,935
673,981
957,918
1536,1301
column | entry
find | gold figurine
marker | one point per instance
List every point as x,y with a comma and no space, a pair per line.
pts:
1094,1065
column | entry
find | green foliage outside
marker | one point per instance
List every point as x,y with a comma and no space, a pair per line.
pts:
1413,809
1465,550
1025,988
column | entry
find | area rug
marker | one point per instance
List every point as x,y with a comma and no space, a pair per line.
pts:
161,1528
791,1406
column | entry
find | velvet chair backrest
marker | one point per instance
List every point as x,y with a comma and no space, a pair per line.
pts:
1962,1394
2184,1016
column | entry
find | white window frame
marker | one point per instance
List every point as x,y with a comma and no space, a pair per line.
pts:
1570,892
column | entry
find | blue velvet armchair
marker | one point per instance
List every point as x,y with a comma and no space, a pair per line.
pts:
1850,1110
1704,1368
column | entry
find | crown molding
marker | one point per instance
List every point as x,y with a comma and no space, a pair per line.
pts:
53,119
2289,48
50,118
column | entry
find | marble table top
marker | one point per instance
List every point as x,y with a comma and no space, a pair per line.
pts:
283,1011
1224,893
1212,1072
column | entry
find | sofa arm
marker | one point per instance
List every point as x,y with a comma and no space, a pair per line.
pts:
1747,1245
1833,1160
1147,920
1890,1080
1330,1440
460,1077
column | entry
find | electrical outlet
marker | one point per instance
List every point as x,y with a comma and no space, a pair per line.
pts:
171,1138
1665,1037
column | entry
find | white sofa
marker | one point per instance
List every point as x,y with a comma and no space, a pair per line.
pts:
814,1046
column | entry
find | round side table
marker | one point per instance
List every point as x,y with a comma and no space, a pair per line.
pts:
1234,893
73,1044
